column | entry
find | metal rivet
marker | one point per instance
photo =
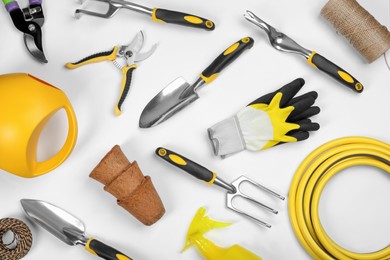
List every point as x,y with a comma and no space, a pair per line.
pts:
31,27
162,152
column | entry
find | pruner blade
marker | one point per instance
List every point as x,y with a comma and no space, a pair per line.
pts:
145,55
34,46
133,50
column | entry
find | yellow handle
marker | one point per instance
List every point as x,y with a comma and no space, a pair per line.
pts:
179,18
109,55
98,248
60,157
339,74
181,162
125,87
226,58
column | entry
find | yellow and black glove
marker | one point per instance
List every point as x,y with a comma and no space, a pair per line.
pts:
272,119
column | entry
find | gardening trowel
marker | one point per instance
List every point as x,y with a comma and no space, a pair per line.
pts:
180,93
67,228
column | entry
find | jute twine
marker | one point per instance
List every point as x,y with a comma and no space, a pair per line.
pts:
356,24
22,237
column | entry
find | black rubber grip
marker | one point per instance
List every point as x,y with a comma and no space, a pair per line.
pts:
196,170
336,72
226,58
163,15
126,88
106,252
94,56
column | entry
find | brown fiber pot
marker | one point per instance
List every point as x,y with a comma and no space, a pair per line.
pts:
113,164
126,183
144,203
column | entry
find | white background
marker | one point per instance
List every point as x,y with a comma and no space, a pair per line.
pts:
355,208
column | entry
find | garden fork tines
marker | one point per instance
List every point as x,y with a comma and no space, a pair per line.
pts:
233,189
238,193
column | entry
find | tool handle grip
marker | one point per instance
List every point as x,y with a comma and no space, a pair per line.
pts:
8,1
127,73
94,58
35,2
227,57
168,16
104,251
335,72
196,170
11,5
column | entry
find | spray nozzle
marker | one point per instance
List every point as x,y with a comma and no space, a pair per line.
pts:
200,225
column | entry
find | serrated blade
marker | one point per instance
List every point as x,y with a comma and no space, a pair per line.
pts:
173,98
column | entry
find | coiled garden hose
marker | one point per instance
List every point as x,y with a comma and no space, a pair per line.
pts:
309,181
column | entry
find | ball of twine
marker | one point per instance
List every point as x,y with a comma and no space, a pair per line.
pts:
22,237
356,24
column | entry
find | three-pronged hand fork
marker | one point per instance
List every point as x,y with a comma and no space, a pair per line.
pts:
233,189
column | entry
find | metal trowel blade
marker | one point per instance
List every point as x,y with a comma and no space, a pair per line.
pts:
173,98
57,221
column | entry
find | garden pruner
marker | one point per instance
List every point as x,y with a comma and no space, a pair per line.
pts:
131,53
29,20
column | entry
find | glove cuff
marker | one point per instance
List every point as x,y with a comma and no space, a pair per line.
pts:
226,137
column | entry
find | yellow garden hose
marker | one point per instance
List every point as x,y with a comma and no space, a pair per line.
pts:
309,181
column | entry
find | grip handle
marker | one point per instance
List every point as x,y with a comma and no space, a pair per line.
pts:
168,16
323,64
196,170
104,251
52,163
94,58
11,5
8,1
226,58
127,73
35,2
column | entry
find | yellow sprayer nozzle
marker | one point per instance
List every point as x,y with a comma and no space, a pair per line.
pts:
199,226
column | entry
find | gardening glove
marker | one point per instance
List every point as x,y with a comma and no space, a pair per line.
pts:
272,119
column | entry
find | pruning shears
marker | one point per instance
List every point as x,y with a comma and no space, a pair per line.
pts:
131,53
29,20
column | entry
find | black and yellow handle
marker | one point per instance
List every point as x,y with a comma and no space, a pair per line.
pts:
196,170
98,57
104,251
227,57
167,16
334,71
127,73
